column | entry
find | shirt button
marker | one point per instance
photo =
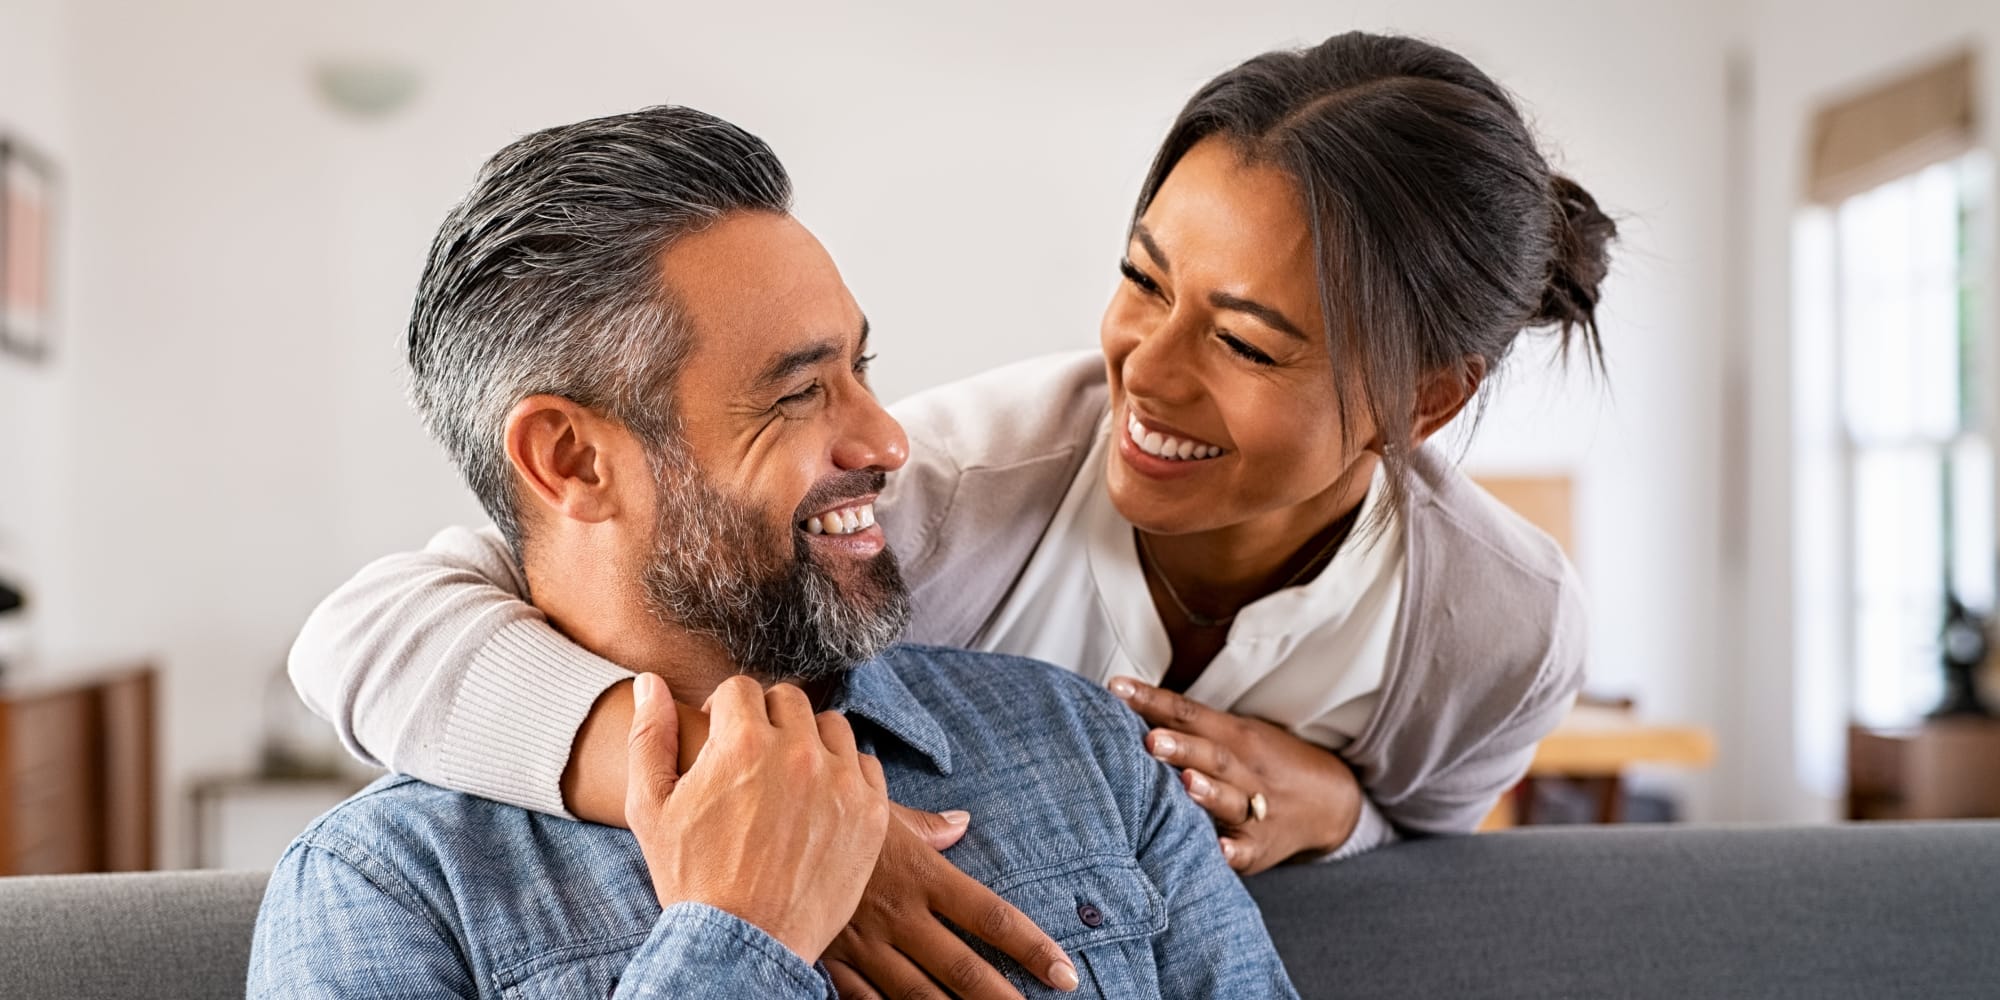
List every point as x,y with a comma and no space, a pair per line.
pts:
1091,915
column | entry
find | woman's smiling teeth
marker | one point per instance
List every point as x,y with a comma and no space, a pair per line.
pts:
841,522
1166,446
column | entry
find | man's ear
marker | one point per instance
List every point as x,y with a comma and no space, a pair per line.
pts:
561,453
1443,395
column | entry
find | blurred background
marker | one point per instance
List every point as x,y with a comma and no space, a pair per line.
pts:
215,213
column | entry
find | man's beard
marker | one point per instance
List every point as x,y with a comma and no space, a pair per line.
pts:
711,573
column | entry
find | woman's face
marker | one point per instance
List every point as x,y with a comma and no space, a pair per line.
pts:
1222,389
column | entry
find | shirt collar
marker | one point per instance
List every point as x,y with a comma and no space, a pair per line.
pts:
1322,602
874,692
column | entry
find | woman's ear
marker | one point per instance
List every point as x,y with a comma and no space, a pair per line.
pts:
561,453
1443,395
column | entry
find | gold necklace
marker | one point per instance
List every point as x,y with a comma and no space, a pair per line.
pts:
1151,565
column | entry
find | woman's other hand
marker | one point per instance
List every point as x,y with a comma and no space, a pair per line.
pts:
1311,798
897,944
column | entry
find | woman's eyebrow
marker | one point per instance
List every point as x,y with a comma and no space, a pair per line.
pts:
1222,300
1152,246
1271,317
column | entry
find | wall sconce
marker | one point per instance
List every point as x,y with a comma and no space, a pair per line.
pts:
365,88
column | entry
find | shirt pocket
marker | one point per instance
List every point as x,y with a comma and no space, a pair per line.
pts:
1103,911
587,969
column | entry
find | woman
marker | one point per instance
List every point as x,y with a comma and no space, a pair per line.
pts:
1333,251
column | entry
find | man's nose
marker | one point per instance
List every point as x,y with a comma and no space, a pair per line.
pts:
869,437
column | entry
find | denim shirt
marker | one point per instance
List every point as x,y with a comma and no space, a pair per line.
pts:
408,890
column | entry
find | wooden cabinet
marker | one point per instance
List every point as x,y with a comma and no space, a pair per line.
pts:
1943,769
76,774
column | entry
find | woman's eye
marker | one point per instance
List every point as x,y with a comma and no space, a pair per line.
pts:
861,365
1243,349
1134,275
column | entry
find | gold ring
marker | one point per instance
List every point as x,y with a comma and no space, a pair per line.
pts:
1258,807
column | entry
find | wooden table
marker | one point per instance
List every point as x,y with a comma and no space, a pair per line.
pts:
1597,744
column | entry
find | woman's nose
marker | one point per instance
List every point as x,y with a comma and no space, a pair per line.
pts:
1157,365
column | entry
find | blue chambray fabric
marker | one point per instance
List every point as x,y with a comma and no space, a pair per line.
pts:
408,890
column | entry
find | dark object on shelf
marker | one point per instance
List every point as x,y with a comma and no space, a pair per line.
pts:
10,599
1964,643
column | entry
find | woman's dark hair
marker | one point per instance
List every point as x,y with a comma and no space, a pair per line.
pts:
1439,231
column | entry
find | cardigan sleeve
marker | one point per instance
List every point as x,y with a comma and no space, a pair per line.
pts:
430,663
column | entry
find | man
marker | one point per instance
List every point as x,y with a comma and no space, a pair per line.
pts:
654,379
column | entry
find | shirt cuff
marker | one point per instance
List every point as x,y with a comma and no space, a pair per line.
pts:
696,950
1371,830
514,722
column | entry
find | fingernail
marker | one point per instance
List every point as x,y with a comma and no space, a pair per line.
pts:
1122,687
1164,745
1198,784
1063,975
956,817
1228,850
642,689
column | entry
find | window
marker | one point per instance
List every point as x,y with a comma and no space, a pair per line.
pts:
1895,280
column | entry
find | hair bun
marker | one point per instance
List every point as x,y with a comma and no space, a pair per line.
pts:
1583,235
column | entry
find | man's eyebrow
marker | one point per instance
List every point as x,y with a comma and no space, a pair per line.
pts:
1271,317
1152,246
785,366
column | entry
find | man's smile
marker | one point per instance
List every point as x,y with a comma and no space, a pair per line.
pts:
849,528
857,515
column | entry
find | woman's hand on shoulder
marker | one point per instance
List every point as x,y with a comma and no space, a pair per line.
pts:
1311,799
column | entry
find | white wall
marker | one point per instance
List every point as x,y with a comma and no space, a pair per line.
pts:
238,434
1804,54
35,108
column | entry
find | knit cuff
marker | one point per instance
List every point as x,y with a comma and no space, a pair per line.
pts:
1371,830
514,720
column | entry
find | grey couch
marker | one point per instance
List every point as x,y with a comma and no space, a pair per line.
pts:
1824,912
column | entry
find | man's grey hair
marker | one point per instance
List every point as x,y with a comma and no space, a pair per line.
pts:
545,279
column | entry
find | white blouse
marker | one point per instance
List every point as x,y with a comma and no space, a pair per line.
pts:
1310,658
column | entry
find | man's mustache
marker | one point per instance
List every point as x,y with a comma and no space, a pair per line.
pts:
836,490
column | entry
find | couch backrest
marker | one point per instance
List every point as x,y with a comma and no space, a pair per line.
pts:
1875,910
154,934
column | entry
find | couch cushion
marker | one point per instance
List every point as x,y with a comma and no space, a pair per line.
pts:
1873,910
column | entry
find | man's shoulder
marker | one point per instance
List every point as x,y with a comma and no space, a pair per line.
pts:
412,827
402,803
921,663
997,690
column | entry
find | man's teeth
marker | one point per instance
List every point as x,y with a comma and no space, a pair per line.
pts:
842,522
1165,446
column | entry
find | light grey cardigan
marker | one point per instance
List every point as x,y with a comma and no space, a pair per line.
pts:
430,664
